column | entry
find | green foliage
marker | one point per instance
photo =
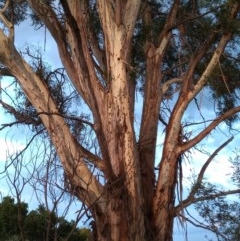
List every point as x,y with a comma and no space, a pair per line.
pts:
219,214
236,167
11,216
197,22
222,217
208,19
64,96
36,22
65,228
36,224
16,12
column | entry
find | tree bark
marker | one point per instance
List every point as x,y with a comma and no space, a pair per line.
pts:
132,204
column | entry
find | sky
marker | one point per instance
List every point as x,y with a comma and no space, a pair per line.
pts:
218,172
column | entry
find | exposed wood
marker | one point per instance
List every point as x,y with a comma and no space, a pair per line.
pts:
128,202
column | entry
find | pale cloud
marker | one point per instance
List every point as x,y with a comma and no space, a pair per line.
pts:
219,171
8,148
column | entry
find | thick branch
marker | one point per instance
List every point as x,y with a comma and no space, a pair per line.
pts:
168,83
73,47
7,23
67,148
130,15
153,90
93,93
49,18
186,97
215,58
150,113
195,60
29,120
165,34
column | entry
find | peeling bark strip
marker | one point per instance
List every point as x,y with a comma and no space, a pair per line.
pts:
133,204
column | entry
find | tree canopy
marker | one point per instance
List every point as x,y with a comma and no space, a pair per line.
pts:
143,86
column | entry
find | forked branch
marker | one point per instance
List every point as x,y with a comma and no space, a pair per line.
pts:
191,197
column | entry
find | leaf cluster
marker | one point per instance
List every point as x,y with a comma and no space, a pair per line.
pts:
17,12
236,167
58,84
220,214
222,217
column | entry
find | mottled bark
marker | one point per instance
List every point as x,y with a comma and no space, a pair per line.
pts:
133,204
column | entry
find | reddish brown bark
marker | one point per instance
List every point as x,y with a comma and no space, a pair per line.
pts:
133,204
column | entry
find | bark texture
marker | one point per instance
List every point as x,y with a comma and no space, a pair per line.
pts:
133,204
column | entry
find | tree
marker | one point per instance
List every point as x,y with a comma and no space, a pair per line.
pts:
10,225
44,176
110,50
35,224
40,224
220,216
68,231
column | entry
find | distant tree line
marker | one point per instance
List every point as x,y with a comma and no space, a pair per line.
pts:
17,223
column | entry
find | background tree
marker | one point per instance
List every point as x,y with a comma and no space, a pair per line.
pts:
10,225
35,224
220,216
17,180
110,50
39,173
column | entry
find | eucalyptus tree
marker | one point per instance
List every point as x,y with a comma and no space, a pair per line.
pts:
169,51
221,217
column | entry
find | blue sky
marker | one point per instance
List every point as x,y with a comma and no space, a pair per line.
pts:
218,171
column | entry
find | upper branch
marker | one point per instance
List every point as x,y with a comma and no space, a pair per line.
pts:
130,15
71,155
152,90
118,17
7,23
186,97
186,146
168,83
49,18
165,34
78,23
215,58
191,197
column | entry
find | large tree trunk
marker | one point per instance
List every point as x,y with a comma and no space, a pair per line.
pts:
123,207
132,204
